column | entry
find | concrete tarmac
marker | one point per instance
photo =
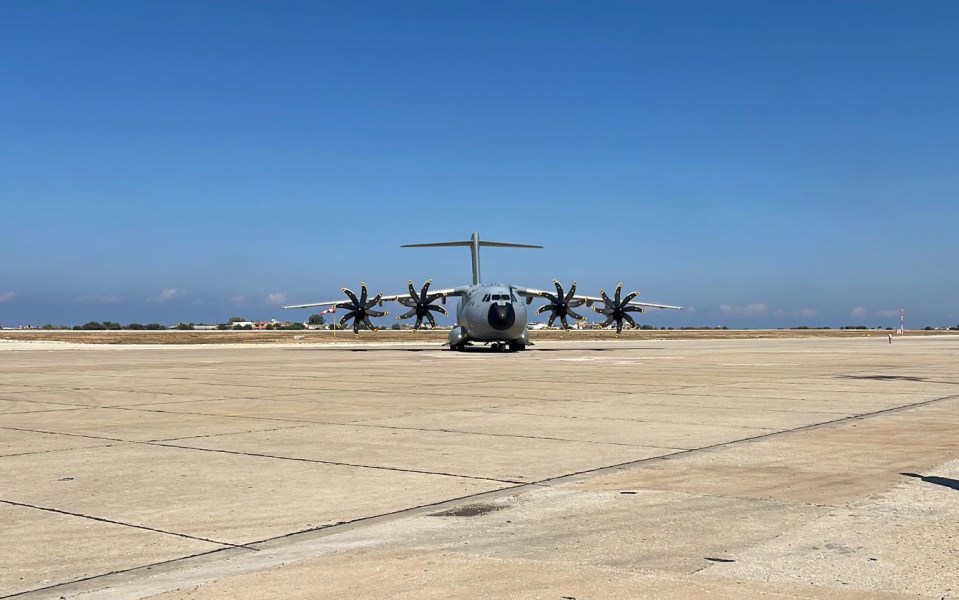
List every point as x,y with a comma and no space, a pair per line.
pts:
808,468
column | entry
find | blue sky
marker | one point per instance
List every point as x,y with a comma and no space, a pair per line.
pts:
768,164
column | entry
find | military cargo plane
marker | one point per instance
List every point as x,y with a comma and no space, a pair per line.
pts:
494,314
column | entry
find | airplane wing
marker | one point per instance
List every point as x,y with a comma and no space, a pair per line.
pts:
589,300
457,291
312,304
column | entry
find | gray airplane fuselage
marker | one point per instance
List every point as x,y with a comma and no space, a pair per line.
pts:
492,313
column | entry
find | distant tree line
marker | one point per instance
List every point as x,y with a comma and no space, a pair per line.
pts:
110,325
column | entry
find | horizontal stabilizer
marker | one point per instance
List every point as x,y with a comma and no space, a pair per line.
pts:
469,243
474,244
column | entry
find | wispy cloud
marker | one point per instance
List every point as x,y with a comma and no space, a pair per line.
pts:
756,309
275,298
165,295
239,299
100,299
859,312
7,296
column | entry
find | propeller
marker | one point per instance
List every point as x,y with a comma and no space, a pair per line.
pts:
616,310
561,305
360,309
421,305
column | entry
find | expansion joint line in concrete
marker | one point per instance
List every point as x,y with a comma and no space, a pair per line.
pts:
503,435
131,525
362,423
332,462
674,455
213,435
78,435
74,582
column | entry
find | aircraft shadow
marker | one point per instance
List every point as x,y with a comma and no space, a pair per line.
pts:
471,350
952,484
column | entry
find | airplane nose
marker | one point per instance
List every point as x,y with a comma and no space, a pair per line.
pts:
501,316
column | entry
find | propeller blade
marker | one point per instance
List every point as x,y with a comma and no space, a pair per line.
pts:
426,287
407,314
559,289
574,315
562,318
429,317
619,291
352,297
572,292
362,293
438,309
619,326
552,318
419,322
413,295
369,324
407,302
375,300
629,320
376,313
633,309
629,297
545,308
